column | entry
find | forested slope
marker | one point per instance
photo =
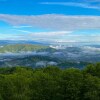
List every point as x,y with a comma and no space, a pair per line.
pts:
16,48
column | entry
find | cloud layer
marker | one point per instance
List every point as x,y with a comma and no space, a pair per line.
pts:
62,28
54,21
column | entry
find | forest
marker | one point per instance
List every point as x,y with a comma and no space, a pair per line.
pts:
50,83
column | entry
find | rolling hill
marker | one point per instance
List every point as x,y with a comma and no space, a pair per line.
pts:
17,48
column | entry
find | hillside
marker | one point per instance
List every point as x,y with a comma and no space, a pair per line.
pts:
16,48
36,55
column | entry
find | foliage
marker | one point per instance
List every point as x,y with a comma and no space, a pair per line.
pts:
50,83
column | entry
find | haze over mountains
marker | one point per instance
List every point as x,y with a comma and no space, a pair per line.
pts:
34,54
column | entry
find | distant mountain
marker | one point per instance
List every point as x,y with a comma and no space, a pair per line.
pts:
6,42
35,55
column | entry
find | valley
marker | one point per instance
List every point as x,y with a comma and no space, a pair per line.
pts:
40,55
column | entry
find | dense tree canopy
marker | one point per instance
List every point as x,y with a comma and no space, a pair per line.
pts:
50,83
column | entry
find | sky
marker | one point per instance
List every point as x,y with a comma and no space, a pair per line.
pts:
50,20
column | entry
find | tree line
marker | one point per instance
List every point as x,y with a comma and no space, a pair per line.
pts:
50,83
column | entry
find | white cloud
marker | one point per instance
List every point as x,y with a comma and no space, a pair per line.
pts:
11,37
22,26
47,36
53,37
82,3
62,27
51,34
23,31
54,21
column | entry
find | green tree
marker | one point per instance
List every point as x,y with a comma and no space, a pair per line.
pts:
70,84
91,88
93,69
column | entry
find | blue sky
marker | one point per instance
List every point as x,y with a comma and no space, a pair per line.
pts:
60,20
37,7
